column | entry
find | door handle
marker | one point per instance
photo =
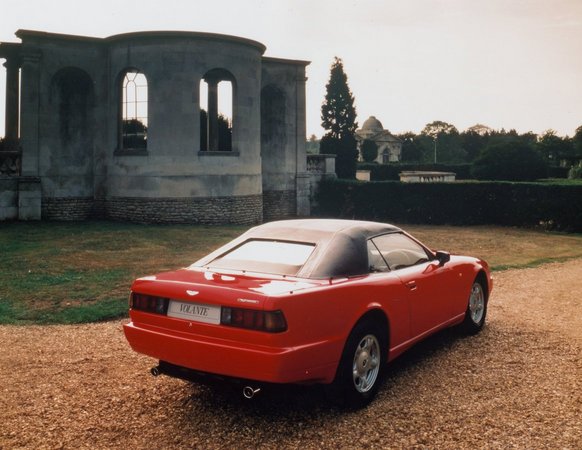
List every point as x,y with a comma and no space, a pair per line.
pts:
411,285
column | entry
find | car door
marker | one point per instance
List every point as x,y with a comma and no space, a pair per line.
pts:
425,280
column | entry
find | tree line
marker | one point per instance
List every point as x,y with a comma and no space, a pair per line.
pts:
494,154
453,146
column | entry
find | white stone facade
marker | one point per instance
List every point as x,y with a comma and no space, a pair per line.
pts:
389,146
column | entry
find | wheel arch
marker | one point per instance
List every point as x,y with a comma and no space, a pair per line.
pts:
341,389
482,278
378,316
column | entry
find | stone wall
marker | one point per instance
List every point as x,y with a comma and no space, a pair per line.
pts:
283,133
8,198
67,208
244,210
20,198
279,205
71,122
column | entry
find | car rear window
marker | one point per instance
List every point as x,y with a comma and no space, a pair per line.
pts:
257,255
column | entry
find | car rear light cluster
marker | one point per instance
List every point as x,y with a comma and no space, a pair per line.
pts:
270,321
149,303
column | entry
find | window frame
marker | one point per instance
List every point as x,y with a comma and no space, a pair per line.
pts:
123,103
248,266
429,254
218,75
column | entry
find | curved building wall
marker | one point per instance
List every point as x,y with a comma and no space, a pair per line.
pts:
71,120
173,175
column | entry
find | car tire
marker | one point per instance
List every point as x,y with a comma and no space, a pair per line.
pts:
476,309
360,370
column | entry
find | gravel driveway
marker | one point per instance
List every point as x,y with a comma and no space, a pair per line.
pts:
516,385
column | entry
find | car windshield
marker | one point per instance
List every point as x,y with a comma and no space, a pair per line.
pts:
276,257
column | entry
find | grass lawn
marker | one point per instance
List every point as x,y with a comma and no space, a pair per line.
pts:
56,272
81,272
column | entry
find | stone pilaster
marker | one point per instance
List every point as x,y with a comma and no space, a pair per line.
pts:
302,179
29,198
30,112
12,95
213,115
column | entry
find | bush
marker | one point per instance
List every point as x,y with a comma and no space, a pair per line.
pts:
134,134
551,206
346,151
510,161
575,173
369,151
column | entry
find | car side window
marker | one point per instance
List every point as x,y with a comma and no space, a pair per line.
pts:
399,251
375,261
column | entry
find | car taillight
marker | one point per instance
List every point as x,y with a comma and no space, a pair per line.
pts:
270,321
148,303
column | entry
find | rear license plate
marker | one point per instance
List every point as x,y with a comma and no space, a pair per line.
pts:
198,312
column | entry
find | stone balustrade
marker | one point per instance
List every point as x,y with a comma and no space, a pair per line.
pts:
321,165
426,177
10,162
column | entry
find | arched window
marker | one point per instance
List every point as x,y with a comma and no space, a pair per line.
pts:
216,110
134,110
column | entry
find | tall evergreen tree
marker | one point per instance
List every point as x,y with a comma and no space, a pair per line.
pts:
338,117
338,114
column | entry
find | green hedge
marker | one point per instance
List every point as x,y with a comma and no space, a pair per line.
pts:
551,206
390,172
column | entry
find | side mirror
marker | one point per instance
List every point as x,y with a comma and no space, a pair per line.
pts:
442,257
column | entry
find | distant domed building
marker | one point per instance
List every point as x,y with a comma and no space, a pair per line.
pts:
389,146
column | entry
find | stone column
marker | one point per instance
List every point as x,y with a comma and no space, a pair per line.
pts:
12,96
212,115
302,187
30,112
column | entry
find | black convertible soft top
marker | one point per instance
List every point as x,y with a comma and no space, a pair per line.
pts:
340,245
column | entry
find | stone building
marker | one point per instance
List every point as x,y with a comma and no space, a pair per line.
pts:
112,128
389,146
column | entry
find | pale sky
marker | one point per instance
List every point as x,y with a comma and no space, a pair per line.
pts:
503,63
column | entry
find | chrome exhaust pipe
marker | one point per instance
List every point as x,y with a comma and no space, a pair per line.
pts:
155,371
249,392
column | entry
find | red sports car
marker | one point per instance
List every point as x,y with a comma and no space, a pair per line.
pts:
305,301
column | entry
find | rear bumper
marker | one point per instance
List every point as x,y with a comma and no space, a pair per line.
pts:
233,359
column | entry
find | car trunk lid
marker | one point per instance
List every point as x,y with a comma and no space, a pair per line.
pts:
215,288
